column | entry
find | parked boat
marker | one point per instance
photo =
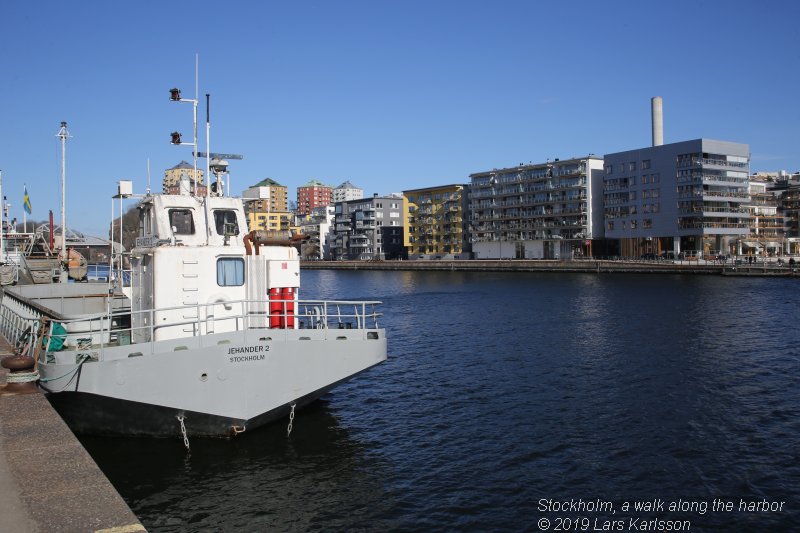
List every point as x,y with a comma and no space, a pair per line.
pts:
213,339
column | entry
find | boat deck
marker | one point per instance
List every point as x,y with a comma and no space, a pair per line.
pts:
48,481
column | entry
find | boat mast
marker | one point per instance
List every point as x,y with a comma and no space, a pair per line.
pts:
63,134
175,96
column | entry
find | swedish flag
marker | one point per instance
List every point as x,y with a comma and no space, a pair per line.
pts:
26,201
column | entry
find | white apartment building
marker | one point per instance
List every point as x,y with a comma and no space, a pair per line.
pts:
318,226
346,192
549,210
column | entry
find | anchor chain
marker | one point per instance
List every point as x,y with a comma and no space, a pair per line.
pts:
181,418
291,419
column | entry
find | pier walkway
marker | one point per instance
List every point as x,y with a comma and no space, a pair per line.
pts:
48,481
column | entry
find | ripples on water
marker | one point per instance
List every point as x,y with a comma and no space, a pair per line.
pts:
502,389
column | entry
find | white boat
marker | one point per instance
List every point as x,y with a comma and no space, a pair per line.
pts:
211,337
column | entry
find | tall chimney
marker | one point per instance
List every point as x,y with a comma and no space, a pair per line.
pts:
657,112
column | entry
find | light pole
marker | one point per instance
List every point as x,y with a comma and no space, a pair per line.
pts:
63,134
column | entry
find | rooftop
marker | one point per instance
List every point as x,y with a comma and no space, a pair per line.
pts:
182,164
268,182
315,183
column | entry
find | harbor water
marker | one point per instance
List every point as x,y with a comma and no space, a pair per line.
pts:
516,402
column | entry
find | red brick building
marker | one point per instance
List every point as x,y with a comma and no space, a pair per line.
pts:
313,194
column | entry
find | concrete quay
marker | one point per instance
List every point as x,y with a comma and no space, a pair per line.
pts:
48,481
577,266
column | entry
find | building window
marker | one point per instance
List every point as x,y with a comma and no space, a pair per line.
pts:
632,166
609,169
230,272
645,164
647,223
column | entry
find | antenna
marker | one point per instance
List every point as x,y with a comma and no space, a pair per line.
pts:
148,176
208,144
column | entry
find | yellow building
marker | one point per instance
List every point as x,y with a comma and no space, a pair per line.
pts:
174,175
266,206
434,221
268,195
269,221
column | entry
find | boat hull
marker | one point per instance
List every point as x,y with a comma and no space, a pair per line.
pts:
233,382
92,414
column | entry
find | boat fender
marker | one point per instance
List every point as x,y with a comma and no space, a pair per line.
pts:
58,337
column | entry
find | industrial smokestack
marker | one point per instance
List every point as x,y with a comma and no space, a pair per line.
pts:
657,112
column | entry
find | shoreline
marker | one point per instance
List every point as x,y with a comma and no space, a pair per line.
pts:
574,266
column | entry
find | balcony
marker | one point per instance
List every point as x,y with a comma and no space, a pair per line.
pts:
723,195
718,163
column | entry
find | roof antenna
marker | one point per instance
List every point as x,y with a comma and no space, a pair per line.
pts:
148,176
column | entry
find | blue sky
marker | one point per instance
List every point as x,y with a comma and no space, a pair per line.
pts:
390,95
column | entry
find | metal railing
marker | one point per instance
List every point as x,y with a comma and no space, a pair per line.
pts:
94,333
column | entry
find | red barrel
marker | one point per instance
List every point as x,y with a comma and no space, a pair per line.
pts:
287,294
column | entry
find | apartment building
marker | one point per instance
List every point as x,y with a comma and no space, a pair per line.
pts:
787,189
269,196
181,179
687,196
550,210
312,195
265,205
435,222
766,223
346,192
318,227
368,228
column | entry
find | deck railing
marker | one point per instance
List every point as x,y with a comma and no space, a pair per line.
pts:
94,333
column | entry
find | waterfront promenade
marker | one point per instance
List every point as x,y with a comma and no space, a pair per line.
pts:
589,266
48,481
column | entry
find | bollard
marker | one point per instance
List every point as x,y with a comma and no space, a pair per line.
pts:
22,376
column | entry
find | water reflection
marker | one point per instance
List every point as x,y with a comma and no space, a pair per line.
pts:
258,481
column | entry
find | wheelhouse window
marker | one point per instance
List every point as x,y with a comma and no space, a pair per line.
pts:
230,272
223,218
182,221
